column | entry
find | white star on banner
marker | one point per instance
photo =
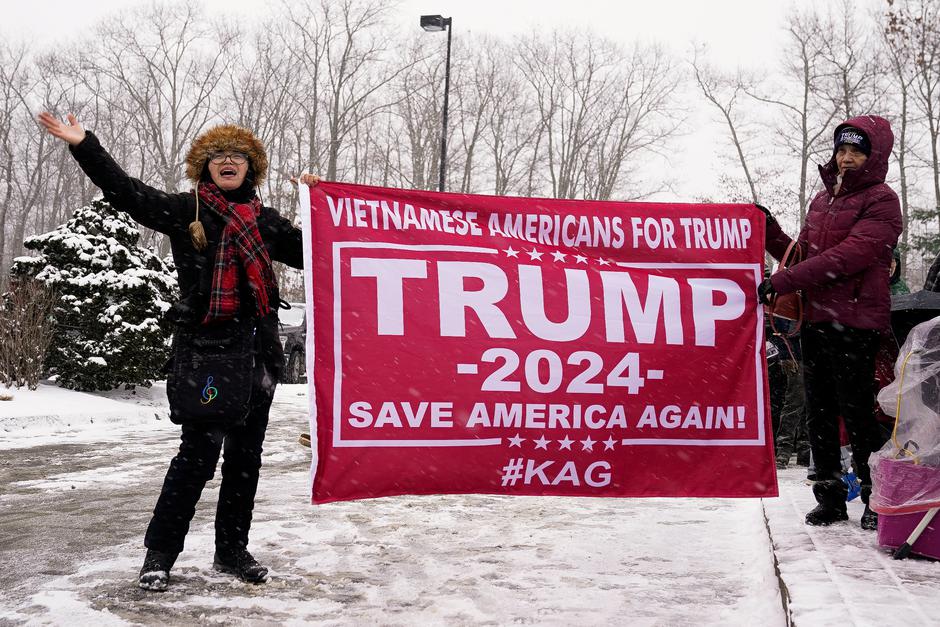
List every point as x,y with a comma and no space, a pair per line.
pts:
580,258
541,443
516,441
609,443
588,444
559,256
534,254
511,253
565,444
603,262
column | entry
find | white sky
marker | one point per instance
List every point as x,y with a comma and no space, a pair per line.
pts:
737,33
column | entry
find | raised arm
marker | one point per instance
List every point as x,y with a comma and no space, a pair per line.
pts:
155,209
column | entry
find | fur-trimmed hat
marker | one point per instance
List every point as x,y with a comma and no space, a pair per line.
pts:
226,137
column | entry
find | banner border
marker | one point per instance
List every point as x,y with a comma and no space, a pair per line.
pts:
338,442
306,225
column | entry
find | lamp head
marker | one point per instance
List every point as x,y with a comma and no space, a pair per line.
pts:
434,23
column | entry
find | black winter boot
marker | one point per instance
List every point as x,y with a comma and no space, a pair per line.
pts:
830,495
240,563
155,573
869,517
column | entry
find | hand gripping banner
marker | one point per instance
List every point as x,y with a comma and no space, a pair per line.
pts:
481,344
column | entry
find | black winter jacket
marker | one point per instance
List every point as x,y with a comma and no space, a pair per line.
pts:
171,215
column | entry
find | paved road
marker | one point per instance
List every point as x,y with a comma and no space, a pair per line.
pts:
72,519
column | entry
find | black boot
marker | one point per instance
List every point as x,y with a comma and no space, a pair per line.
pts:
155,573
869,517
241,564
830,495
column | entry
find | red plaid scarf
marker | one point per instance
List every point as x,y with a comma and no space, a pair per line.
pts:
239,247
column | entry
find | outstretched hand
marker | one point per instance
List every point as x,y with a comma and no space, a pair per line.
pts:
72,132
306,179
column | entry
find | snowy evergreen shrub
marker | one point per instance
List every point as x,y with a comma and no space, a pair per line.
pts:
111,299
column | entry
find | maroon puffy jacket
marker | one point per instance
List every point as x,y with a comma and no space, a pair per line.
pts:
847,239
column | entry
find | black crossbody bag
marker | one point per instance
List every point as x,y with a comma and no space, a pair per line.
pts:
211,376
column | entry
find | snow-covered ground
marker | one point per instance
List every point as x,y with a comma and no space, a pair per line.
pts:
79,474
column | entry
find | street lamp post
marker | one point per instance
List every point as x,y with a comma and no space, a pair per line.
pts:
432,24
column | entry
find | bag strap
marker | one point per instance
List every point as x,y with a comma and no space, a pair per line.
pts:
793,255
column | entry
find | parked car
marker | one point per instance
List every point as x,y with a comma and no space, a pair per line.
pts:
293,336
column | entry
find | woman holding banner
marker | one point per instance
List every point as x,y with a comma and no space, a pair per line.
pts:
226,353
851,228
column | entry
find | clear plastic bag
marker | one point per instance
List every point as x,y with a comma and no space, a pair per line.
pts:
906,471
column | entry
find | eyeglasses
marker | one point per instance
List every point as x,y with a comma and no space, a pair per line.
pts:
237,158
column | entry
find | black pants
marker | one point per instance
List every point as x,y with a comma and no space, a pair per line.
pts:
195,464
777,382
839,375
790,435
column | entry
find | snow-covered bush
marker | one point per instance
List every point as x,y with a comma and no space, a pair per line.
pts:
111,299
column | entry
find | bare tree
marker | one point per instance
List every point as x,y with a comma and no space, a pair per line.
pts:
902,72
599,106
808,110
414,128
513,134
167,62
260,94
850,57
355,71
13,83
308,32
724,93
473,98
26,331
566,75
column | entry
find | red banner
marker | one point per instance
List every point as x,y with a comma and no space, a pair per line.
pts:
481,344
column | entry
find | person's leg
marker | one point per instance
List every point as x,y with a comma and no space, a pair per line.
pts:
792,413
186,477
240,472
822,422
855,387
193,466
800,435
822,410
241,468
777,382
801,438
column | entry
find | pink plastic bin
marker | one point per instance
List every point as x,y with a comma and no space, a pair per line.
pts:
898,483
893,531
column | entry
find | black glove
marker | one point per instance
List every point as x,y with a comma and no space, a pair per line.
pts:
770,218
765,292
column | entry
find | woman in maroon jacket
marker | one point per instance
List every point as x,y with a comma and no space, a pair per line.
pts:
847,240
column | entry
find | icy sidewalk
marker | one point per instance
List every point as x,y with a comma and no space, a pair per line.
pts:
72,517
838,575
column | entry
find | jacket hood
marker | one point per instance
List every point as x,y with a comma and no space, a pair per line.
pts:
875,168
226,137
